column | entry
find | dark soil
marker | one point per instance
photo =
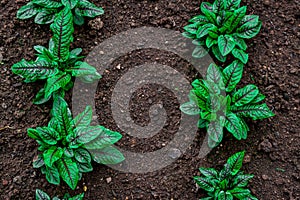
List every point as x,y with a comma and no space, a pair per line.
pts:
273,145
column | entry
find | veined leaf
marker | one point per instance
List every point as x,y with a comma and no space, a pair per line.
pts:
52,155
45,16
70,3
249,31
78,19
81,69
207,10
225,43
249,21
235,19
235,162
240,193
191,28
33,71
82,155
190,108
83,135
234,126
47,3
214,74
40,97
83,119
203,30
52,175
225,196
196,96
77,197
56,82
104,139
233,4
240,42
68,152
205,183
245,95
210,42
38,162
189,35
202,123
241,180
63,29
258,98
88,9
253,111
40,195
107,156
84,167
75,52
241,55
215,132
199,20
199,52
48,135
217,53
250,197
209,172
219,5
69,172
198,42
232,75
27,11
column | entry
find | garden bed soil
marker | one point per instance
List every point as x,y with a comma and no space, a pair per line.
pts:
272,147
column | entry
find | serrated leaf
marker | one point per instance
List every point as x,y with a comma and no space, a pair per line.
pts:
242,180
241,55
217,53
38,161
70,3
69,172
56,82
232,75
107,156
82,155
248,31
52,155
207,10
45,16
209,172
48,135
240,193
226,44
83,119
88,9
33,71
47,3
205,183
63,29
199,52
245,95
190,108
27,11
52,175
40,195
233,125
235,162
83,135
254,112
105,138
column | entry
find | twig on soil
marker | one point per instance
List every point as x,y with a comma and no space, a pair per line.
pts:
5,127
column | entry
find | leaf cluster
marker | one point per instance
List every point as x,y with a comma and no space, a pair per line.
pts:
57,64
41,195
222,28
227,184
220,104
45,11
69,145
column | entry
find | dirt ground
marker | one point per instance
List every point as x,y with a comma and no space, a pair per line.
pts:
273,145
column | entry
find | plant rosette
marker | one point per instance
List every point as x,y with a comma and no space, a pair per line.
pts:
41,195
69,145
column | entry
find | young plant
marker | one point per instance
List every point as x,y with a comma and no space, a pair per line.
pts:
222,29
57,64
46,10
229,183
69,145
40,195
216,109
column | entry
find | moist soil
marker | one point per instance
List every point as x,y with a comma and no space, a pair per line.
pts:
272,147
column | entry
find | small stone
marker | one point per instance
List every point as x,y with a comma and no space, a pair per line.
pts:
108,180
265,146
96,24
265,177
247,159
266,2
118,66
174,153
4,105
17,180
4,182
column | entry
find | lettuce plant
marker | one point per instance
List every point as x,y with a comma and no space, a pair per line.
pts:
229,183
41,195
69,145
222,28
45,11
57,64
217,109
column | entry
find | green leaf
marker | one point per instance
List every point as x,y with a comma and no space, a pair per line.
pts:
224,173
56,82
234,19
205,183
69,172
27,11
40,195
233,4
78,19
52,175
191,29
47,3
190,108
189,35
33,71
207,10
68,152
199,52
214,74
107,156
240,42
45,16
52,155
39,48
33,133
240,193
226,44
225,196
215,132
75,52
83,119
84,167
254,112
248,31
242,180
104,139
210,42
40,97
250,197
245,95
232,75
241,55
235,162
209,172
63,29
83,135
70,3
81,69
199,20
249,21
217,53
203,30
258,98
38,162
82,155
48,135
197,97
219,5
88,9
77,197
202,123
233,125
